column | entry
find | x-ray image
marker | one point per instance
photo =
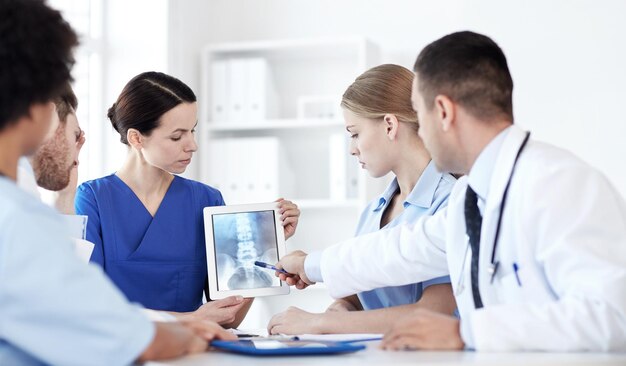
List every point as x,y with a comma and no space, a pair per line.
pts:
241,239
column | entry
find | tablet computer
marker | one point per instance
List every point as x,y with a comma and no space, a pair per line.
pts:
236,237
271,347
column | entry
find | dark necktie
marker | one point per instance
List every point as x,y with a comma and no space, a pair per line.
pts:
473,222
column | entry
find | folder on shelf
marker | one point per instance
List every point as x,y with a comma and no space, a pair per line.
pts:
248,170
242,90
216,170
352,174
343,169
219,91
262,99
237,90
337,152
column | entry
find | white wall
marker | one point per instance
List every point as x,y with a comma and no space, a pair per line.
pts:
567,57
135,34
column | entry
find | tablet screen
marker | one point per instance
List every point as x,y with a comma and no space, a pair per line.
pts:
240,239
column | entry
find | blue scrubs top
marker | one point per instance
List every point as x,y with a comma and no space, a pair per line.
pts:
160,261
429,195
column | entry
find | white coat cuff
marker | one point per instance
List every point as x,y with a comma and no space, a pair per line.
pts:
312,266
466,331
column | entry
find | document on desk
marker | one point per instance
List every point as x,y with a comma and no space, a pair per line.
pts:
77,226
343,338
245,333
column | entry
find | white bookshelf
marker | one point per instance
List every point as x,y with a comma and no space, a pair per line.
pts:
307,168
274,124
297,68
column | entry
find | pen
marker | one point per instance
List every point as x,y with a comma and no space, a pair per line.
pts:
277,337
516,269
282,337
269,266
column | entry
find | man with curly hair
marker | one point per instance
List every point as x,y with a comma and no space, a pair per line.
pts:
53,308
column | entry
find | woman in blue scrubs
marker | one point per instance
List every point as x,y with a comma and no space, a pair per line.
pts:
383,130
146,222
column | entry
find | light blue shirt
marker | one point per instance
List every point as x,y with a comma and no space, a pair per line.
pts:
479,177
54,309
429,195
26,177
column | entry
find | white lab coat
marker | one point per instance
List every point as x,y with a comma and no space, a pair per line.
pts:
565,227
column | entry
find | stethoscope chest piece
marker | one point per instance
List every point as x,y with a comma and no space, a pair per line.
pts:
493,270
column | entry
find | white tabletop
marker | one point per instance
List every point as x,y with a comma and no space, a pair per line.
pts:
374,356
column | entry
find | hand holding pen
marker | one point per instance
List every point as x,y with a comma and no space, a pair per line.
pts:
291,270
294,264
283,275
269,266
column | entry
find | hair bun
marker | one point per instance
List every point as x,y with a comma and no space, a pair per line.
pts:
111,116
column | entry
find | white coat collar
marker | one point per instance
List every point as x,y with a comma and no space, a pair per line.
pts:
502,169
479,177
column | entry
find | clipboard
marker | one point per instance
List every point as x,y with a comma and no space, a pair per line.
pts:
273,347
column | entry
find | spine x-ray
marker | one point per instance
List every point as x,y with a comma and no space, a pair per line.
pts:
241,239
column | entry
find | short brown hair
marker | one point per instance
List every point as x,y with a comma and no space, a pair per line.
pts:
380,90
470,69
66,103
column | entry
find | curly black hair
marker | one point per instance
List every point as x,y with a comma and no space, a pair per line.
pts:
35,56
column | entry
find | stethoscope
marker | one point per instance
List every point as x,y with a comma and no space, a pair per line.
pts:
492,269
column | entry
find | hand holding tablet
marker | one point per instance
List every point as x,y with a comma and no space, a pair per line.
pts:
289,216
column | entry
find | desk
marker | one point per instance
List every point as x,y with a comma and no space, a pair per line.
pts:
374,356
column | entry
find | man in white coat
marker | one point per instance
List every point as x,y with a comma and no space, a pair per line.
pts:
533,238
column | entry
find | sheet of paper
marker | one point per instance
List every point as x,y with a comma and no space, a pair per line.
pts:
83,249
261,332
341,337
77,226
318,337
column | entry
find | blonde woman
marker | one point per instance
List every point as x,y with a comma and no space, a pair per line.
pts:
383,130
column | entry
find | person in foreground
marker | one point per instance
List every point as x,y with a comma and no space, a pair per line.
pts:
534,239
54,308
145,221
383,133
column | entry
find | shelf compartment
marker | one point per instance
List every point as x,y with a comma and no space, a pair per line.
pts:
275,124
